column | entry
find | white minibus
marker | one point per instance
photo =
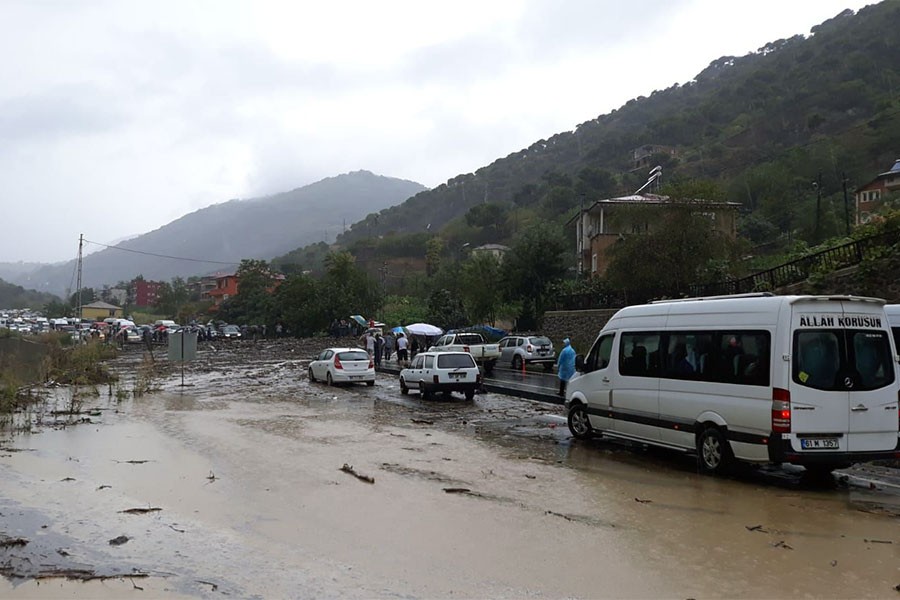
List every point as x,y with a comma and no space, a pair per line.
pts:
808,380
893,316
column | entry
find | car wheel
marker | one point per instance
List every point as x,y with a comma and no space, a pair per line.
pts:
579,424
517,362
470,394
403,389
329,379
713,452
312,378
423,391
370,383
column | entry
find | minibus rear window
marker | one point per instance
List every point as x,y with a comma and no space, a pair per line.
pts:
842,360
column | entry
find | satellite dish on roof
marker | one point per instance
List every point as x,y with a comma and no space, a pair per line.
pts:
656,169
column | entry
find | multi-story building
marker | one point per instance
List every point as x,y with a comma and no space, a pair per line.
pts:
145,293
600,225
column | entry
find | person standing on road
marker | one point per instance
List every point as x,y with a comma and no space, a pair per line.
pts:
389,343
379,349
402,344
370,344
566,365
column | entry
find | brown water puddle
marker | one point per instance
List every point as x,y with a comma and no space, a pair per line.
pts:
475,499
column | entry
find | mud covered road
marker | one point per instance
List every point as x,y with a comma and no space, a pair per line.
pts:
252,482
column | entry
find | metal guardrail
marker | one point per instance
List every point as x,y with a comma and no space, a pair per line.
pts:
795,271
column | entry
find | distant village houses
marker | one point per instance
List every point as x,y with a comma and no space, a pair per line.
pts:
870,197
495,250
97,311
227,286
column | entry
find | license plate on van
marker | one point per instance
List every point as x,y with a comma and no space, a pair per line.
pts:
820,444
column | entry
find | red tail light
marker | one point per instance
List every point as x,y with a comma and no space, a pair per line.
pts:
371,362
781,411
478,378
436,380
337,363
529,348
465,348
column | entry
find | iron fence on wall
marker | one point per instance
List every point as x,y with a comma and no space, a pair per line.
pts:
795,271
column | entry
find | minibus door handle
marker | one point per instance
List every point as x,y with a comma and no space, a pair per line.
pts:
605,379
860,408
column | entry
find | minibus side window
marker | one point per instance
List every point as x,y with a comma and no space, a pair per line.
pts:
687,356
599,356
639,354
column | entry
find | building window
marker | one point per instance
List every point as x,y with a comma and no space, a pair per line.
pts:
594,263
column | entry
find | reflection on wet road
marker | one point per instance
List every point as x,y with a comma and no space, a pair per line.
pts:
489,498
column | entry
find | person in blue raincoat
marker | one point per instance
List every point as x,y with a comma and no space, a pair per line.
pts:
565,365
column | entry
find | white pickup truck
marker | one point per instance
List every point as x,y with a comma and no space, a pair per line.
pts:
485,354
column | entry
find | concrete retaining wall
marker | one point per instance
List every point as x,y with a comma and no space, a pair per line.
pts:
581,326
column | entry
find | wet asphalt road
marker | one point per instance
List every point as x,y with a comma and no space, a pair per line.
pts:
489,498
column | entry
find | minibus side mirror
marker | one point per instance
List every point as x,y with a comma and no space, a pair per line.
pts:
579,362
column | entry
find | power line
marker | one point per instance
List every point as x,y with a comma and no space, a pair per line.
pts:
199,260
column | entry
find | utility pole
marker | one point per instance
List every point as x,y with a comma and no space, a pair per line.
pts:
846,203
581,236
78,280
383,271
818,185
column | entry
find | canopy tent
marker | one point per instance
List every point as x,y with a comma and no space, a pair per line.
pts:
363,322
424,329
485,329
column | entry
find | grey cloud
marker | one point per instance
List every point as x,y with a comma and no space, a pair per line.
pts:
58,112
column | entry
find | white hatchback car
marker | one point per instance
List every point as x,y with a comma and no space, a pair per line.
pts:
343,365
432,372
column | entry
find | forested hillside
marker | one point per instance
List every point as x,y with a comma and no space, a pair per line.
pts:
764,127
231,231
14,296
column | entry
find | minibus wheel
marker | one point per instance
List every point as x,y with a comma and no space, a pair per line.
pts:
579,424
713,451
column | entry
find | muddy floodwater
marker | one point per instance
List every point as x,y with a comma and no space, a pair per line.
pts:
251,482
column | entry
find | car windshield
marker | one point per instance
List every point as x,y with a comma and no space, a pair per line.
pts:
540,341
231,328
353,355
455,361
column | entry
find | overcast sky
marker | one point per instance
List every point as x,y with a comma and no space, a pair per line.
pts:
118,117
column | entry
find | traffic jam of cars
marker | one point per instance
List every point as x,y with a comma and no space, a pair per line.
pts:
121,331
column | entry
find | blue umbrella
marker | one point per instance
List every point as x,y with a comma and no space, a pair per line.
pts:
398,330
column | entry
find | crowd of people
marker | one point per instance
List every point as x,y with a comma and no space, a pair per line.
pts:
384,346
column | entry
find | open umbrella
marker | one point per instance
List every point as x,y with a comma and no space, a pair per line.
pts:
423,329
